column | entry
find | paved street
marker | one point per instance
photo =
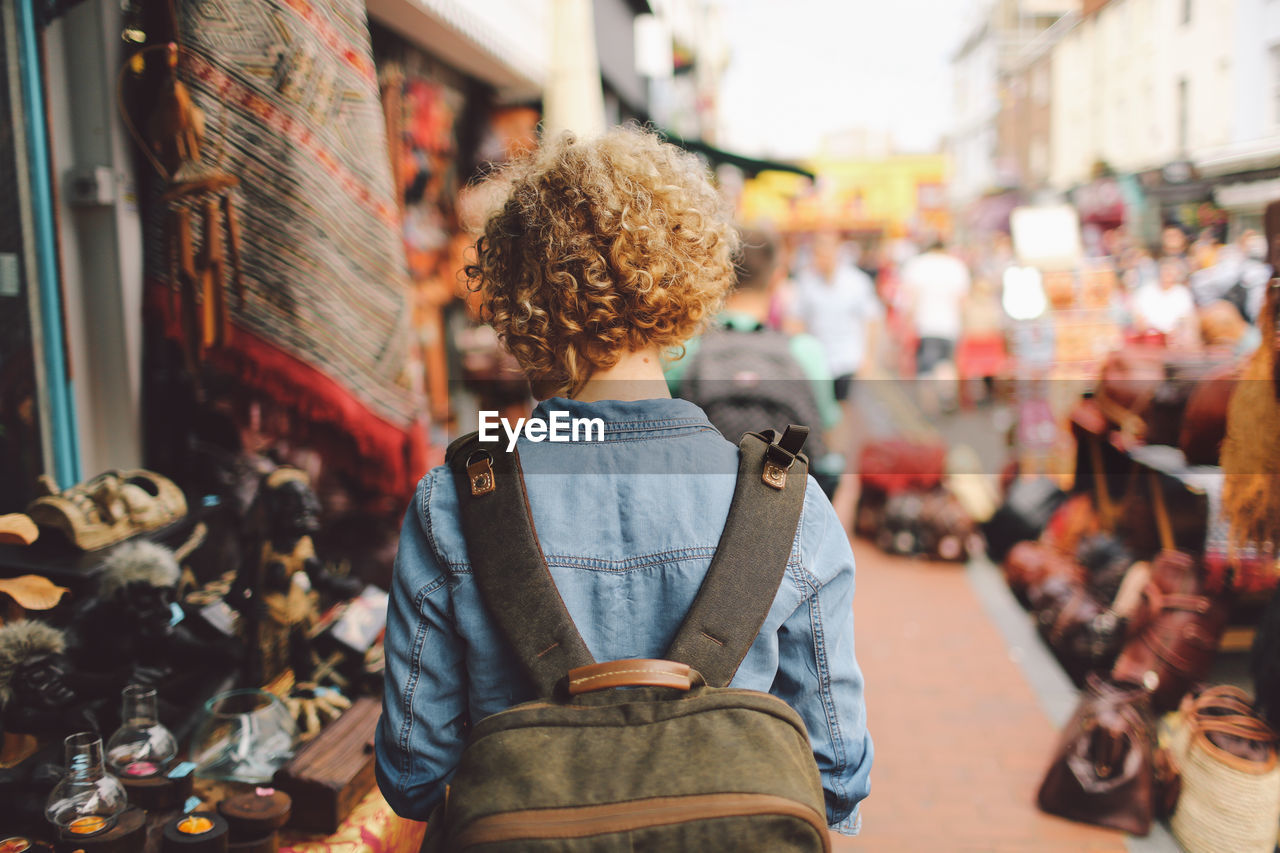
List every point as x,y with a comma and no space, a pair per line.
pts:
960,692
961,739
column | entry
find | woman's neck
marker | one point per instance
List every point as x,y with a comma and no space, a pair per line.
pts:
636,376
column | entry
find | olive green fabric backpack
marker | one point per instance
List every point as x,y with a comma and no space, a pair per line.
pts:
639,754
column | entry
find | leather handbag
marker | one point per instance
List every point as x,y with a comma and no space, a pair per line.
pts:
1083,633
1172,644
1107,561
893,466
1030,564
1028,505
1230,800
1071,523
1126,385
932,524
1204,421
1103,770
1174,635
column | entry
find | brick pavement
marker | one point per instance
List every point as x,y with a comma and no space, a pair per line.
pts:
960,740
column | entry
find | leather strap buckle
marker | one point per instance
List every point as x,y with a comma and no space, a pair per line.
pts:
480,473
781,454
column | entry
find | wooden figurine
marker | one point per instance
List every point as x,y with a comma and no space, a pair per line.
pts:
286,584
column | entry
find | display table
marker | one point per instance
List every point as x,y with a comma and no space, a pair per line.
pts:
371,828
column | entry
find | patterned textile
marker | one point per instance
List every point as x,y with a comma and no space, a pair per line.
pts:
292,107
370,828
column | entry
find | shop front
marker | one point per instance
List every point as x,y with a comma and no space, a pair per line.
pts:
191,603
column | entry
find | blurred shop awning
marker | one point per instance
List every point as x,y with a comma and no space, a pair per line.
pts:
751,166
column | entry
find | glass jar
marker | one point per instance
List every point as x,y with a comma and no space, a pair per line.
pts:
141,747
88,799
245,736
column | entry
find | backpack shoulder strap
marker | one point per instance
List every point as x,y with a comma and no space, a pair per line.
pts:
508,565
751,557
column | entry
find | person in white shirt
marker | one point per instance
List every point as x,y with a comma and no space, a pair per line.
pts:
1167,306
837,304
934,287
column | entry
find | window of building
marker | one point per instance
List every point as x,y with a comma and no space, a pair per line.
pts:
1275,83
1183,117
1186,11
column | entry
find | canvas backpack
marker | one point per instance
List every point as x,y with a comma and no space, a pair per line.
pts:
742,379
635,754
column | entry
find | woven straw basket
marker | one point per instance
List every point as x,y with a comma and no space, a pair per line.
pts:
1228,804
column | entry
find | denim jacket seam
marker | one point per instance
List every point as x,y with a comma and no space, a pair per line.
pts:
463,567
411,683
428,527
828,701
627,436
640,561
804,577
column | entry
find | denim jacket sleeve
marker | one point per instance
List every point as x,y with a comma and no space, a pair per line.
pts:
815,646
424,707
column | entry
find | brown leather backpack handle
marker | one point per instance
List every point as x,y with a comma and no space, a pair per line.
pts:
639,672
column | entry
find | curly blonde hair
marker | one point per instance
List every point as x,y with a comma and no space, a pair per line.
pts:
603,246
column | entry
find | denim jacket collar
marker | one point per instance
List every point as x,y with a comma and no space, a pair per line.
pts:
623,418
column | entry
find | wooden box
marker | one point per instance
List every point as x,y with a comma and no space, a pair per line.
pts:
331,774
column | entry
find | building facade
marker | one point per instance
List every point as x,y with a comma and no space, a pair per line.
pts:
1140,84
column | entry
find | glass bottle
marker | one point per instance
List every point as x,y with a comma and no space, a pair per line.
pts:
245,736
141,746
88,799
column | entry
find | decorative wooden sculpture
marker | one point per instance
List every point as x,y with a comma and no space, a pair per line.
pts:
287,584
109,508
197,275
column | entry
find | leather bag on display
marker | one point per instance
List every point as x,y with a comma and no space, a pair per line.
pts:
892,466
1071,523
1143,391
1107,561
1175,634
1103,770
1083,633
1204,421
1028,505
1172,645
1031,564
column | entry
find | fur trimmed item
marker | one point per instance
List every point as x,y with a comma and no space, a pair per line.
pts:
139,560
21,641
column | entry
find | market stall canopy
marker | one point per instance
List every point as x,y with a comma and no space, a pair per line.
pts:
751,166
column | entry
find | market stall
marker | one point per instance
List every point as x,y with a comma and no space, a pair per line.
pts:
190,652
1155,565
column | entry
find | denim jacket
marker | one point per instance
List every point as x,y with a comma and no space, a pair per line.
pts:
628,526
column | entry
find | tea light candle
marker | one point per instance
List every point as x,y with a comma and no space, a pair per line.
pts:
194,825
139,769
87,825
200,832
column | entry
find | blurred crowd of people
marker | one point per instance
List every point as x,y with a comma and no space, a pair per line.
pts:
937,312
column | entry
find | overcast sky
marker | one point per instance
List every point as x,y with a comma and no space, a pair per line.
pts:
804,68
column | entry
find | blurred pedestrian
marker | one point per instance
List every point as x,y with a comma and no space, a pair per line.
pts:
1221,326
743,373
935,284
837,304
1167,307
1173,241
1239,276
